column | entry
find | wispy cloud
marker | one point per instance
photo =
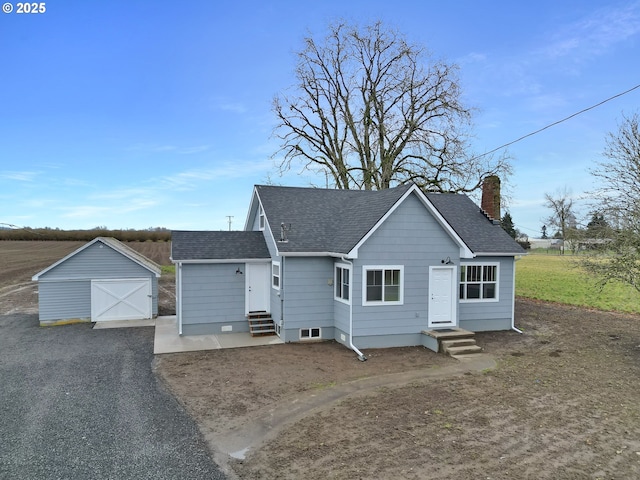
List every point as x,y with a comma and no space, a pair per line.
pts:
233,107
473,57
154,148
228,105
189,179
100,211
595,34
25,176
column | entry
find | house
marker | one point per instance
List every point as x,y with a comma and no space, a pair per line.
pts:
103,280
366,268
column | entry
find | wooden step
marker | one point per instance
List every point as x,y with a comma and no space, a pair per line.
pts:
457,342
260,314
449,333
261,324
463,350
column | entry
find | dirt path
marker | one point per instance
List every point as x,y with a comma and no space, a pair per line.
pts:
267,423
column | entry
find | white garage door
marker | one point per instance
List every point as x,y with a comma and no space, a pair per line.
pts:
122,299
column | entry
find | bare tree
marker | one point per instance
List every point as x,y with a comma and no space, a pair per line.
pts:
563,217
618,197
371,110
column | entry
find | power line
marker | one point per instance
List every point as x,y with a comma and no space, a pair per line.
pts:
556,123
17,227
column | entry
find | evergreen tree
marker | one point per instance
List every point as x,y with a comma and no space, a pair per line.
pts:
507,225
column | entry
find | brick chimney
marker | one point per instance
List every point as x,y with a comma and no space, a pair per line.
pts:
491,197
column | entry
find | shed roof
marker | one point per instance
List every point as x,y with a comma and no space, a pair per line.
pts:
115,245
221,245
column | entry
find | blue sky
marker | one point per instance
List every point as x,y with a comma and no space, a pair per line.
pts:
133,114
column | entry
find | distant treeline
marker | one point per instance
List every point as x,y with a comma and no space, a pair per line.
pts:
159,234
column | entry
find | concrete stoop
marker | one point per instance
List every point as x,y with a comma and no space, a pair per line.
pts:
456,342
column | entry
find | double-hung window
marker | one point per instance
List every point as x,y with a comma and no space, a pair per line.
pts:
479,282
383,285
342,282
275,275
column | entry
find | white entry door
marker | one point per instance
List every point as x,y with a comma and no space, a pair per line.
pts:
442,296
257,287
121,299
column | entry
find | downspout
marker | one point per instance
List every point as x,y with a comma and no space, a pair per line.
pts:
179,297
513,304
281,295
361,355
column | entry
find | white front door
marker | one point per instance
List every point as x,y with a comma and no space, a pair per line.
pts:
257,288
442,297
121,299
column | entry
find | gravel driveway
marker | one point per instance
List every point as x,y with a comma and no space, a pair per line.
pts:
77,403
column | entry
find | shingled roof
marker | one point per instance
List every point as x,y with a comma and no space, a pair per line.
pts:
321,220
207,245
327,220
480,234
324,220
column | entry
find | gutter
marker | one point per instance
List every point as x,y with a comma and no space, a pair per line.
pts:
361,355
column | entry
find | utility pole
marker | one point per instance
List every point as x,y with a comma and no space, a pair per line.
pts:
229,217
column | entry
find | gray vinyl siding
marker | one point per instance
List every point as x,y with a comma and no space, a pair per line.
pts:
64,292
64,300
213,294
411,237
97,261
308,295
341,315
487,316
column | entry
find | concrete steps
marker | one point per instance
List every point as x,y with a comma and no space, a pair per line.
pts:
456,342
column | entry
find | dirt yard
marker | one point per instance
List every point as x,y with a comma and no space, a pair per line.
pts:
562,403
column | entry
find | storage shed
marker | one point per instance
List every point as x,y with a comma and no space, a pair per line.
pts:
103,280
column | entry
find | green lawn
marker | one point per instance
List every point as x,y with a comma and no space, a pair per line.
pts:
557,278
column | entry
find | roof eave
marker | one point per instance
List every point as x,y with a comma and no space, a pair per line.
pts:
220,260
500,254
314,254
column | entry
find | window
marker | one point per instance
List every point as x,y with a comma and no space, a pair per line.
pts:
309,333
382,285
342,279
479,282
275,275
261,221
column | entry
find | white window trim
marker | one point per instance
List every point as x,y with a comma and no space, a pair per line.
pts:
365,269
261,218
310,337
481,300
273,276
347,267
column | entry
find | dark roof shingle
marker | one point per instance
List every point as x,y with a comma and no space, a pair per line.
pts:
474,228
324,220
219,245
